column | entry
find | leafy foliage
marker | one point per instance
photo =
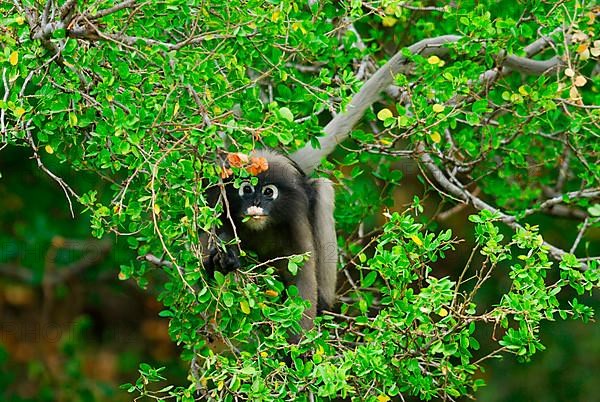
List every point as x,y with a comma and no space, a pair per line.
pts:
151,96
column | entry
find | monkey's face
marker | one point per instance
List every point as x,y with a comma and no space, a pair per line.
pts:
269,202
256,204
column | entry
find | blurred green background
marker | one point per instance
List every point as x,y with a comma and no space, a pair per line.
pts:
70,330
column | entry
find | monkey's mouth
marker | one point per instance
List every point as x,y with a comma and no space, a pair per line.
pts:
255,212
255,218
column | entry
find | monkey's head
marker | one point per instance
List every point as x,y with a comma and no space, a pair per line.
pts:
279,195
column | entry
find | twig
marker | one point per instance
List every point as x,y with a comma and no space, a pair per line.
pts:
65,187
457,208
154,214
6,93
549,203
158,261
272,260
584,227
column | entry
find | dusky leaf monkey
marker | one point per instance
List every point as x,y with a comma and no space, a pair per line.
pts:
284,213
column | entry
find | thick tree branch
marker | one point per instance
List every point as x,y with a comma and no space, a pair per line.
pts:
478,203
110,10
338,129
559,199
532,67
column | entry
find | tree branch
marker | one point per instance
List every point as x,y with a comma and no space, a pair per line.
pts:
65,187
478,203
550,203
110,10
338,129
158,261
5,98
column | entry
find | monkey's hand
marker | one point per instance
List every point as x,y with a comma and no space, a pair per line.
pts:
222,261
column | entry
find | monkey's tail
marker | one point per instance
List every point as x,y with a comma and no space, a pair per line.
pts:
325,242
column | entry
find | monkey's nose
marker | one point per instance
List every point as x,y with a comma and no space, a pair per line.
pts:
256,202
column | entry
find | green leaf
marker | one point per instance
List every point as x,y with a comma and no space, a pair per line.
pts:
286,114
228,299
369,279
594,210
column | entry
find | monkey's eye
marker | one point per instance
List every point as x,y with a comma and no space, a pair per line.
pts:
270,191
245,189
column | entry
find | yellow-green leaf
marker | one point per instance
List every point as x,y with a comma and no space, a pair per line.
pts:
523,91
245,307
437,108
388,21
416,239
384,114
19,112
49,149
433,60
13,59
298,26
286,114
72,119
362,258
383,398
443,312
435,137
156,209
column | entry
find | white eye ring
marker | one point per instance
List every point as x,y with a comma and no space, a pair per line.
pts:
273,190
245,189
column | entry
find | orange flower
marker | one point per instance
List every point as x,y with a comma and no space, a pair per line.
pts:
225,172
257,165
237,159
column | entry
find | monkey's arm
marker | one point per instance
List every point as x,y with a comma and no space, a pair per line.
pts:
222,257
